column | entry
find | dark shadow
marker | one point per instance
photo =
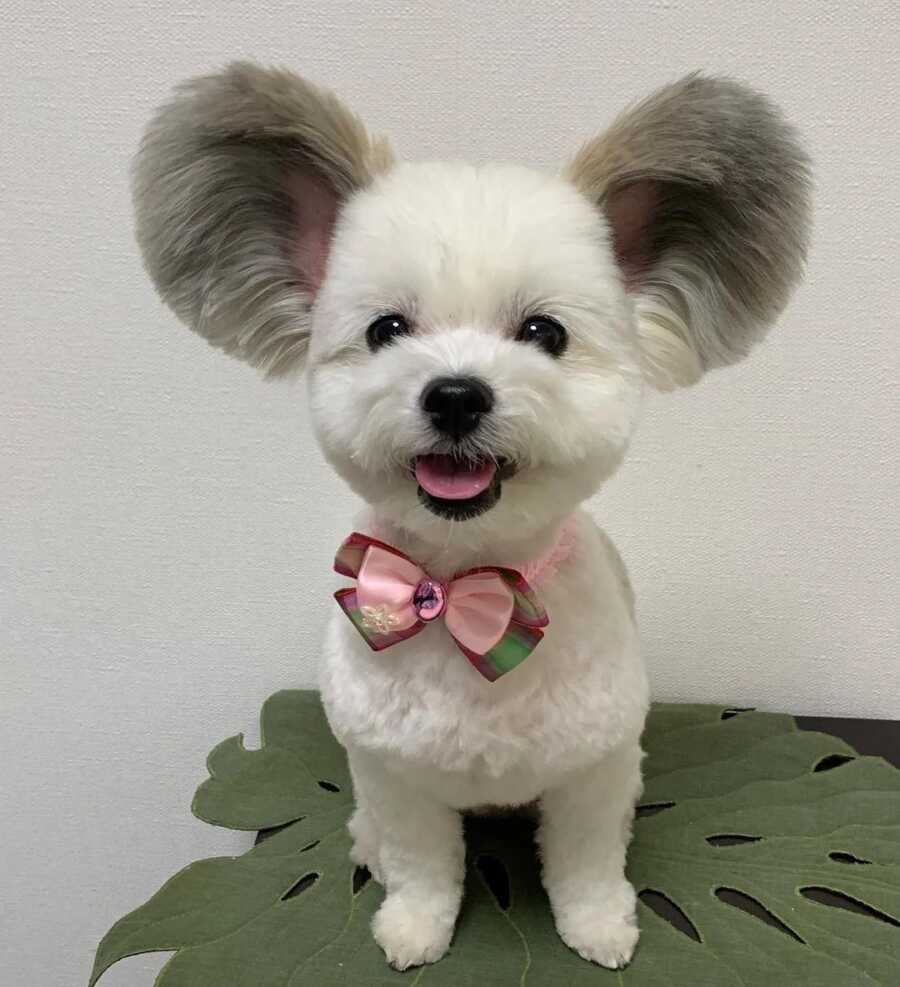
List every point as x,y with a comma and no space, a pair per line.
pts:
652,808
666,909
495,877
731,839
305,882
361,878
737,899
265,834
832,761
837,899
846,858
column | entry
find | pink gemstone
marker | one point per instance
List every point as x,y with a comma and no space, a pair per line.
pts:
428,599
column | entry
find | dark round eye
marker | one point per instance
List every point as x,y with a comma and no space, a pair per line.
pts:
385,329
544,332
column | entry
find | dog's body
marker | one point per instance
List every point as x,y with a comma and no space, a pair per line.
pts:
477,343
427,737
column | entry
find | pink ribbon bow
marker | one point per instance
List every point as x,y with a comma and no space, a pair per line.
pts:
492,613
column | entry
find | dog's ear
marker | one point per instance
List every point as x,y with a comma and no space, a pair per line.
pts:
237,186
706,191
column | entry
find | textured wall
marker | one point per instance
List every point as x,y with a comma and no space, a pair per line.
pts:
166,523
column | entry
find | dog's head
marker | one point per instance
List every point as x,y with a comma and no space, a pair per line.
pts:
476,338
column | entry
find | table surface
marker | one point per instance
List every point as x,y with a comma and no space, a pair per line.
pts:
878,737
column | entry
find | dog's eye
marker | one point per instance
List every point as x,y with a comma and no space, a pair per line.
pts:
384,330
544,332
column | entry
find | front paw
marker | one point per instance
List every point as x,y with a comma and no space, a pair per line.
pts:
412,933
602,928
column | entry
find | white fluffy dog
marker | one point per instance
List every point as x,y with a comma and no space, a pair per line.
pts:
476,342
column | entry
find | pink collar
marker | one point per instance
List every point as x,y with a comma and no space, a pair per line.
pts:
535,570
545,566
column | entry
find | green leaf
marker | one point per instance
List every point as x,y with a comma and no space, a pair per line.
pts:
290,776
742,812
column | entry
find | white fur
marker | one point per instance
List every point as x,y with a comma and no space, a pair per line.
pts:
465,254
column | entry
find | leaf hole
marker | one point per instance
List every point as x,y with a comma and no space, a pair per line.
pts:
731,839
304,884
743,902
832,761
329,786
361,877
847,858
666,909
266,834
309,846
728,714
652,808
837,899
495,877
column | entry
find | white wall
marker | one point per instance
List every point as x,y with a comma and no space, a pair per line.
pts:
166,524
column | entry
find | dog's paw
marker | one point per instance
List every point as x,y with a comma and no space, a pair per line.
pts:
602,929
410,933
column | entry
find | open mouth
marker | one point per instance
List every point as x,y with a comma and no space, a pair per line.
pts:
459,489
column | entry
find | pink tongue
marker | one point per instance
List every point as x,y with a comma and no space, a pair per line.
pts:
449,479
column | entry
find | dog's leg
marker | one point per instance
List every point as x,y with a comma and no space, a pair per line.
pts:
419,860
363,827
584,833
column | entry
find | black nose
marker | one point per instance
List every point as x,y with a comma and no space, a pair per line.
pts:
456,404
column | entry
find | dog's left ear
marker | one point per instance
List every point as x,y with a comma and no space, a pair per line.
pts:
706,190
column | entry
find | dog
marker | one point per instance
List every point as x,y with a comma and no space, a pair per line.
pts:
476,343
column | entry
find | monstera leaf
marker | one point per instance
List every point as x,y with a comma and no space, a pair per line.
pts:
763,855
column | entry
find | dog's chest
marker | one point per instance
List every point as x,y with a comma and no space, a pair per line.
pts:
425,711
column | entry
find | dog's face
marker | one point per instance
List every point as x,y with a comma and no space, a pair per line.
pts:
473,355
477,339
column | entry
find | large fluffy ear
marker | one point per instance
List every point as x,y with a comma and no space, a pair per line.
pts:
237,185
706,190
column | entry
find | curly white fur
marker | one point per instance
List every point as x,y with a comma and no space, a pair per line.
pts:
426,735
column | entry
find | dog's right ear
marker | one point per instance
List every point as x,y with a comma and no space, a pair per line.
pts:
237,186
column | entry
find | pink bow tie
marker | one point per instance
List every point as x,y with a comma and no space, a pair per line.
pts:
492,613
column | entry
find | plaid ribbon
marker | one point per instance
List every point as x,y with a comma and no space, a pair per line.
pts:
492,613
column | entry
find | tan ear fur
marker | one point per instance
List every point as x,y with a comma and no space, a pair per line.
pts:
706,189
237,184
